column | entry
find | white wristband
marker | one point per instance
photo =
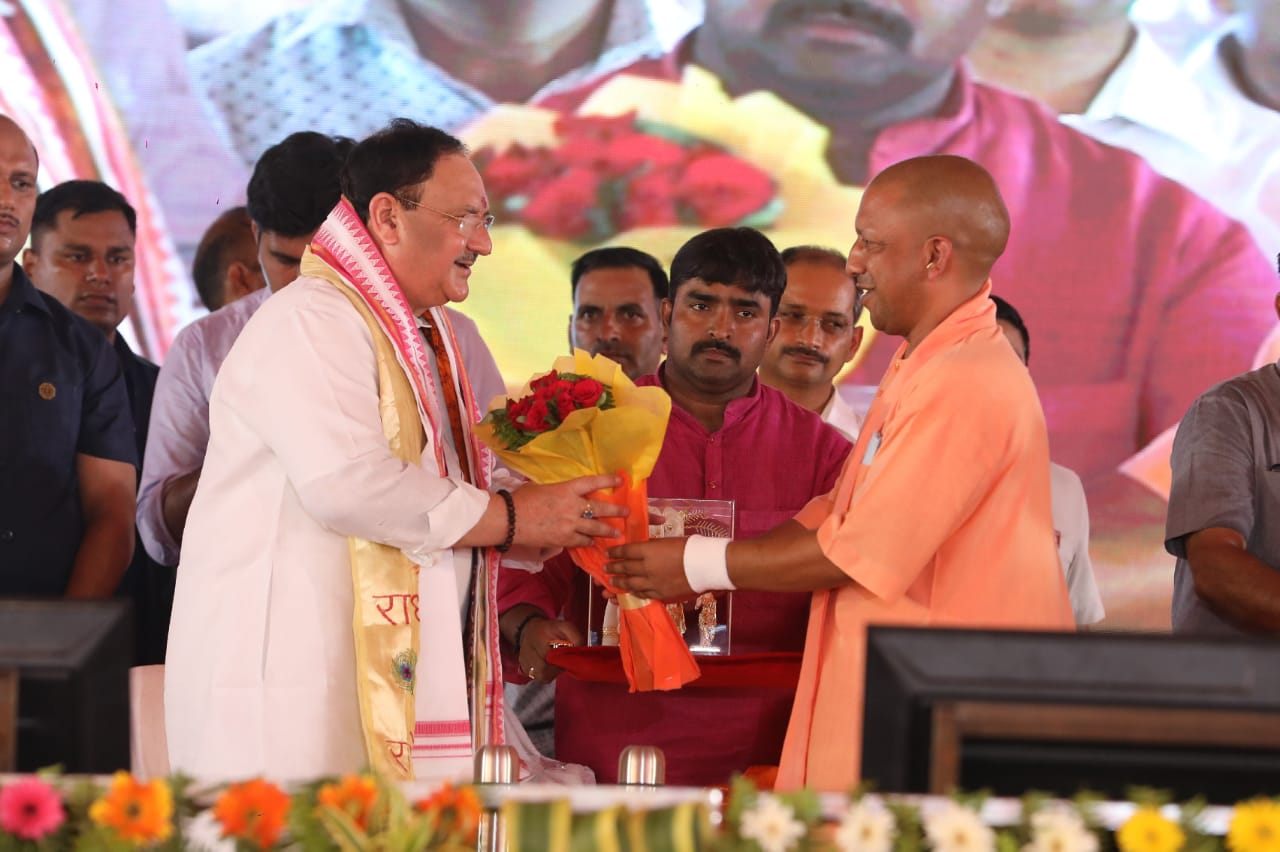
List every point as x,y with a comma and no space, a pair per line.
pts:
706,563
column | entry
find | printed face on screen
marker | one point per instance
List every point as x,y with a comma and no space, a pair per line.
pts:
615,315
716,335
846,43
442,234
816,332
18,190
86,262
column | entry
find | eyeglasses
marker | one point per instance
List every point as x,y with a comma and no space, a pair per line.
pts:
466,224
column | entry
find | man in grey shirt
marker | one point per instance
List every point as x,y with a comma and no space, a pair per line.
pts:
1224,506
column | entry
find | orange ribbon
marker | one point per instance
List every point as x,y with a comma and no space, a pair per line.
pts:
654,654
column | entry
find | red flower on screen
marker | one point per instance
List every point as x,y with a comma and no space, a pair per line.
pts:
607,174
650,201
637,152
561,207
723,190
518,169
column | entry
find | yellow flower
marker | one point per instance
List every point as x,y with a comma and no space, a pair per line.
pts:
1255,827
1148,831
137,812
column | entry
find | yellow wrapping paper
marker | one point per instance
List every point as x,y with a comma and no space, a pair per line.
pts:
625,440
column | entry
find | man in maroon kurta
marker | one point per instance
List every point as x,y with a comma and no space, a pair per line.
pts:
729,438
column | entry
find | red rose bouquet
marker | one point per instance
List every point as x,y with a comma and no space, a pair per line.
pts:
586,417
611,174
551,399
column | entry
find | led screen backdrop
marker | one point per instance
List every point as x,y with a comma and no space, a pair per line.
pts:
641,122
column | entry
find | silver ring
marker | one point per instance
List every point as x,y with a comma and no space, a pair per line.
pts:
587,514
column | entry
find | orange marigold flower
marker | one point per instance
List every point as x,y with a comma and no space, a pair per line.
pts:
456,810
354,795
137,812
254,811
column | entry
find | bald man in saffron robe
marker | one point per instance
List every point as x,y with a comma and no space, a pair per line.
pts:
944,498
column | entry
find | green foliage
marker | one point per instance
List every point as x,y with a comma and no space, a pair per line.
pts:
394,824
305,826
1191,822
906,818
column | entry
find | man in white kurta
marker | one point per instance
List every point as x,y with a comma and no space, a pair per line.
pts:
261,674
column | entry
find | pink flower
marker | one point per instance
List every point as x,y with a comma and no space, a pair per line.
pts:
30,809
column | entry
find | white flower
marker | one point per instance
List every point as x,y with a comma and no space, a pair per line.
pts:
204,834
866,827
954,828
772,824
1060,830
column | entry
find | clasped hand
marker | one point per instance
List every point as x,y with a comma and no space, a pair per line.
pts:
650,569
563,515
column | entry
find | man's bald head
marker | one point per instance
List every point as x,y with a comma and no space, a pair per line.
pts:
929,231
953,198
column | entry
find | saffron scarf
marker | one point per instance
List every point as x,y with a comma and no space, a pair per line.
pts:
406,622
